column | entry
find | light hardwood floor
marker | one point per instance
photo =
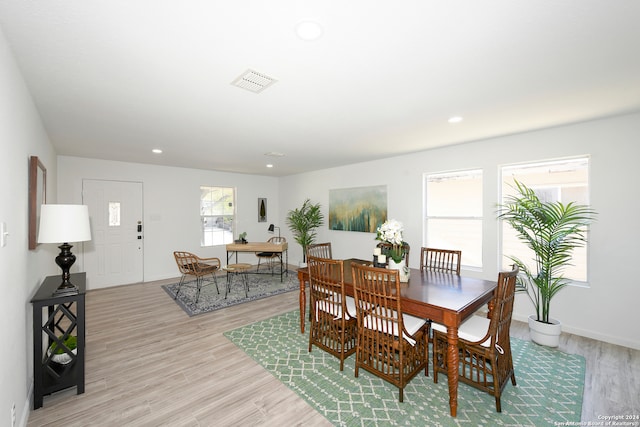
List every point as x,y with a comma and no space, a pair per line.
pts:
149,364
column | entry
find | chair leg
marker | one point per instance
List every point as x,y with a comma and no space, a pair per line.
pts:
228,287
245,279
215,280
198,286
179,286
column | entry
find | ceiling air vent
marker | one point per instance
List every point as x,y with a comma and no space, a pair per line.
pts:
253,81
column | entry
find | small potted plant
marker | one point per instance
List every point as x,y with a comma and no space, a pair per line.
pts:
303,222
394,247
242,237
552,230
58,354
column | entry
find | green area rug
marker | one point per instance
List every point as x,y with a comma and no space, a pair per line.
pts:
260,286
549,390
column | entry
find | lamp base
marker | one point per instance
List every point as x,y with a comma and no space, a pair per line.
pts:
65,260
64,290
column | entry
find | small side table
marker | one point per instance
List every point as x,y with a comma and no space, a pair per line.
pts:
240,270
65,316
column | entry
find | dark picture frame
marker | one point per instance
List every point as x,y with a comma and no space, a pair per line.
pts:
37,197
262,209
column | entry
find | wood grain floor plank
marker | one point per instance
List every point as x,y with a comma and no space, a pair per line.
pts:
149,364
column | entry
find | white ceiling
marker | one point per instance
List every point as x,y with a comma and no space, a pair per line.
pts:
114,79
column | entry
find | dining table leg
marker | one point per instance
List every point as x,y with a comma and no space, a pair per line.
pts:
303,301
452,368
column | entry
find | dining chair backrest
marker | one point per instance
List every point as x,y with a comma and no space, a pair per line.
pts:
502,311
442,260
379,288
326,277
333,324
320,250
277,240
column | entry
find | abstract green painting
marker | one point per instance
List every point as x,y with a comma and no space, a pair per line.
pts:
358,209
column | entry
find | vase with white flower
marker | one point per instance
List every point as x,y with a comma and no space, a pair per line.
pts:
394,247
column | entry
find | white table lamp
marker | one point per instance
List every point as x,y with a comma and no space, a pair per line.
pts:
64,224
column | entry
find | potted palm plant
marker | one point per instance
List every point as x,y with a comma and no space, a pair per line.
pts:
303,222
552,230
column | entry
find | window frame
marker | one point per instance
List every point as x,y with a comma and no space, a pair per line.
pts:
557,187
475,173
227,233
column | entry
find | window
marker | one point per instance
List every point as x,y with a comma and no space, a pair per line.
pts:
565,181
114,214
216,215
453,204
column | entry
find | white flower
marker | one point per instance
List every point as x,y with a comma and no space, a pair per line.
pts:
391,232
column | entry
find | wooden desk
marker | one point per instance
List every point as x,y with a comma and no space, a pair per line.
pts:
445,298
281,248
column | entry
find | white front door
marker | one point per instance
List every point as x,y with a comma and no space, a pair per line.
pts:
114,256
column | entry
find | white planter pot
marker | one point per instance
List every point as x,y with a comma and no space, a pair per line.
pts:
401,267
62,358
547,334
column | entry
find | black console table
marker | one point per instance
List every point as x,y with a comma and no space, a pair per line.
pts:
65,317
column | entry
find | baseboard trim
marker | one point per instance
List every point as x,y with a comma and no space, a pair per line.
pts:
593,335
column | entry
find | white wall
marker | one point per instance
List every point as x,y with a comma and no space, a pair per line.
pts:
606,310
171,206
21,135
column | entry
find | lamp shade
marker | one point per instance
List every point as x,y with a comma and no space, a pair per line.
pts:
64,224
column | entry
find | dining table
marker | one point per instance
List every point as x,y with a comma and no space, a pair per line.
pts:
445,298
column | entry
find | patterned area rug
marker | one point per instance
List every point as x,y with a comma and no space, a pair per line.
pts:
260,286
549,391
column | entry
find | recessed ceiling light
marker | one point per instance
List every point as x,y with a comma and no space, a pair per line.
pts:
274,154
455,119
157,151
269,165
309,30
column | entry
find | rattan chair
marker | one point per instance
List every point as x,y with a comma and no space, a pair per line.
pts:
333,321
391,345
442,260
320,250
386,247
484,345
192,265
270,257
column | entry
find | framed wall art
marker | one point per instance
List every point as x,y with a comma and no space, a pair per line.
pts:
37,197
358,209
262,210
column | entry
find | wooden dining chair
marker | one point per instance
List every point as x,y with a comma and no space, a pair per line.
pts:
484,345
192,265
270,257
320,250
387,246
443,260
391,345
333,314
